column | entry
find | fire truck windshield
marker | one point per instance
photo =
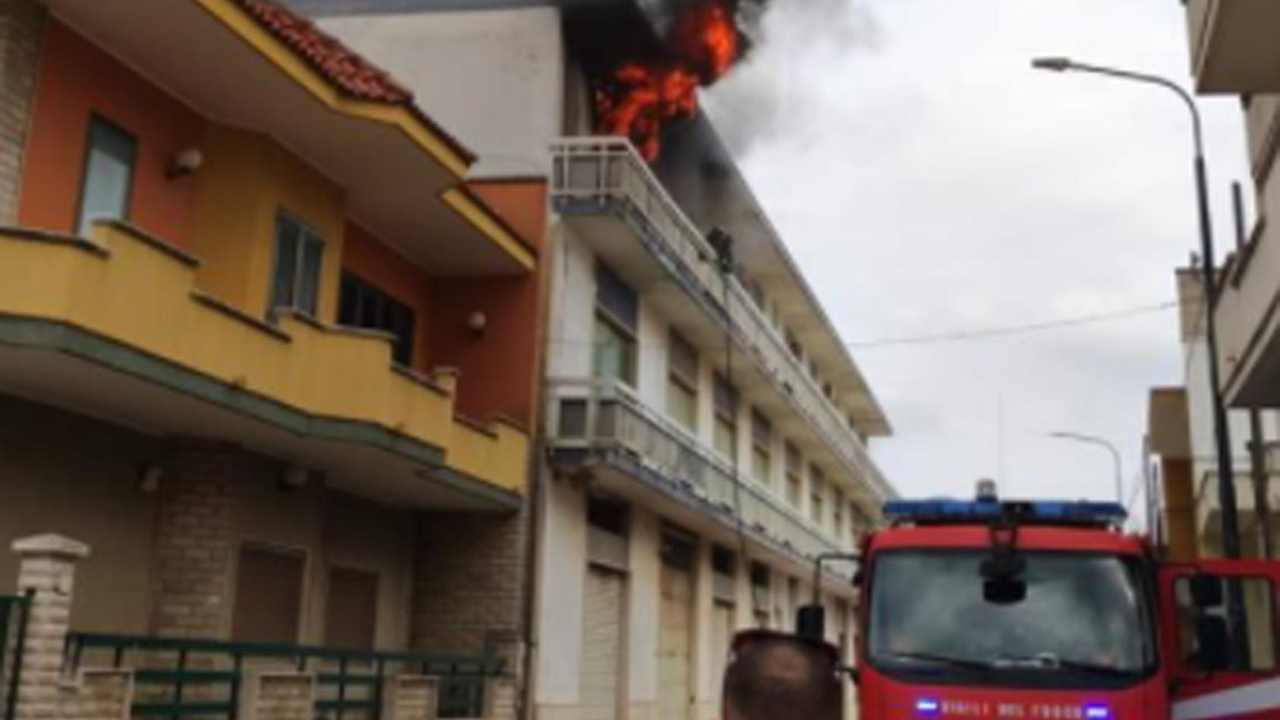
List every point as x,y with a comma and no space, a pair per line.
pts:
1085,620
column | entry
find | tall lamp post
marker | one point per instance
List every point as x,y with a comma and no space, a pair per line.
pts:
1226,478
1115,456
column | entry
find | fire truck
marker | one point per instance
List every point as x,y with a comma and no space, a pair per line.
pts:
987,609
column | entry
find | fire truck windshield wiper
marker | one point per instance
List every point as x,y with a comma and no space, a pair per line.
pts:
1049,661
967,663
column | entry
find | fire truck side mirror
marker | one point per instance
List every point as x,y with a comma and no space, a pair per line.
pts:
1213,651
1206,591
811,622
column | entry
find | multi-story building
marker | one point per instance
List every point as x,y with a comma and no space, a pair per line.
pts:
1184,511
1234,52
263,346
704,430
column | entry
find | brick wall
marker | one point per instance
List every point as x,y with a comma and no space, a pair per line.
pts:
21,22
468,581
279,696
411,697
99,695
193,547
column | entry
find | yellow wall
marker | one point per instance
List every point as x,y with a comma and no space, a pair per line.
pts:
141,295
246,180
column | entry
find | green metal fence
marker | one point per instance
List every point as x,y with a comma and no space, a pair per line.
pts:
183,678
14,610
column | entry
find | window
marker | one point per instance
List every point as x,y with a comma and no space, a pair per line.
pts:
837,512
761,453
268,595
617,313
365,306
795,469
794,345
817,486
351,613
857,522
108,174
1257,642
725,398
682,382
297,275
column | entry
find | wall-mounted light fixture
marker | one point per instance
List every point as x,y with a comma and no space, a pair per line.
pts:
185,162
477,321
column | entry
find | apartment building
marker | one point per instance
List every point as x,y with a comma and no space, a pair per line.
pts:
264,348
703,434
1234,52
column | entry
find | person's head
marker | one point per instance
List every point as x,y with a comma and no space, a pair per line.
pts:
772,676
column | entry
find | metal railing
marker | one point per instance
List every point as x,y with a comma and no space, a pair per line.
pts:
183,677
596,175
608,416
14,611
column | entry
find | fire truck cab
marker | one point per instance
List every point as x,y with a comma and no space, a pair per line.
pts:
986,609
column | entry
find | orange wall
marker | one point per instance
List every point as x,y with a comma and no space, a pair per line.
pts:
382,267
500,367
76,80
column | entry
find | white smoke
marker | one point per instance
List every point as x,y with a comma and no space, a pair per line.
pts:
780,76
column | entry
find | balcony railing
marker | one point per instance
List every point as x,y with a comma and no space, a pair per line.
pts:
601,417
600,175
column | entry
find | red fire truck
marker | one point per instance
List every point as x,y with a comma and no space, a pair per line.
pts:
987,610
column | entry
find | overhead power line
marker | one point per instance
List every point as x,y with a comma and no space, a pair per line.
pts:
1010,330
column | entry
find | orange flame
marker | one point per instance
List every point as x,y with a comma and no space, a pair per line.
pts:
639,98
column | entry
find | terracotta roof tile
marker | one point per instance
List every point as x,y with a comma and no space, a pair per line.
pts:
344,67
352,73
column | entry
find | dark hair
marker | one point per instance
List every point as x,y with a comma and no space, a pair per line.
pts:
773,676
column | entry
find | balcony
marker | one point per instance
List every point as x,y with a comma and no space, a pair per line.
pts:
1248,344
114,327
602,424
605,191
1262,129
1233,47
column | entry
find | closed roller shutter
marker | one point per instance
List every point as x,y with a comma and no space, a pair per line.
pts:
676,619
601,644
721,638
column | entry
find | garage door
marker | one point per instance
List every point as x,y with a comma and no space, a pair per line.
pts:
676,619
721,637
601,644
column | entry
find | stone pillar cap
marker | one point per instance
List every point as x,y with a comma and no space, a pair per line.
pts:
51,544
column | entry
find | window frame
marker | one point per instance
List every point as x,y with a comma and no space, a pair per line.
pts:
630,345
722,416
384,300
98,119
794,474
817,487
677,378
305,232
761,447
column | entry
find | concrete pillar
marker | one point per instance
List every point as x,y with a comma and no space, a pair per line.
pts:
46,567
643,616
705,683
21,31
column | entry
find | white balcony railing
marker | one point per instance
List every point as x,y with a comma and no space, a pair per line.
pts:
592,175
601,415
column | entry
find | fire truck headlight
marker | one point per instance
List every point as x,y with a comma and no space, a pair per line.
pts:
927,707
1097,712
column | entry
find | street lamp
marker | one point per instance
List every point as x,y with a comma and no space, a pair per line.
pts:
1226,485
1115,455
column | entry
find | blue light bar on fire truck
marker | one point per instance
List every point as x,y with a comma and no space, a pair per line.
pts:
1044,512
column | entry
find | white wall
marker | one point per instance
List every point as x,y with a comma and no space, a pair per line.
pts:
562,563
474,72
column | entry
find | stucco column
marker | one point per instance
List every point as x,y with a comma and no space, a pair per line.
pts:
46,567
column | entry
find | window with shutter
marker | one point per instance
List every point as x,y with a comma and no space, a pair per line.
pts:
761,443
682,381
795,472
725,399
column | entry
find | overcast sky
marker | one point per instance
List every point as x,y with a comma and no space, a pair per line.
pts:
928,181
